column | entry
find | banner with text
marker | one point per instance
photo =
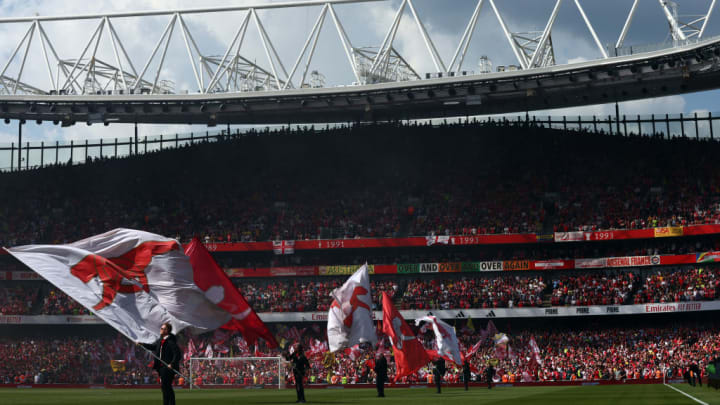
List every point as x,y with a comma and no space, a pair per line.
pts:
488,313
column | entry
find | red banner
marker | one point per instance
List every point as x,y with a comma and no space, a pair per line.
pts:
633,261
700,230
459,240
20,275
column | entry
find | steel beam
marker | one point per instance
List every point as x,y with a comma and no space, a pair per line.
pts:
626,26
259,6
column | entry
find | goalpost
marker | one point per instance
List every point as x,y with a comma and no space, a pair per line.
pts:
226,371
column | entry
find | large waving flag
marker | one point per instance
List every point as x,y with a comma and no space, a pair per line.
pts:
221,291
535,351
447,341
133,280
350,317
409,353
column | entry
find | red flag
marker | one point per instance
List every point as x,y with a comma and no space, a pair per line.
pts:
409,352
218,287
474,348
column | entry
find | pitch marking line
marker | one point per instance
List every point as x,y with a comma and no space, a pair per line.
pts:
687,395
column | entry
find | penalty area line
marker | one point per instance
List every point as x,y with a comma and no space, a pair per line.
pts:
687,395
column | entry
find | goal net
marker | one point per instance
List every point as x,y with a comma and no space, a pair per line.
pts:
220,372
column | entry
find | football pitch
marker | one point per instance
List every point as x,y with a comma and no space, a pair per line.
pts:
615,395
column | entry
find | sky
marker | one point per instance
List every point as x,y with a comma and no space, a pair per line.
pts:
366,25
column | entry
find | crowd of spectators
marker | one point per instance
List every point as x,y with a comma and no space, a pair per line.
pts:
593,289
696,284
427,292
581,353
16,300
288,296
490,292
56,302
308,184
606,353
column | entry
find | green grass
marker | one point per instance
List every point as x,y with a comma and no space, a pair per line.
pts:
614,395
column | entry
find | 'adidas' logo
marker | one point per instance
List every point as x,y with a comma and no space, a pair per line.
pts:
460,314
490,314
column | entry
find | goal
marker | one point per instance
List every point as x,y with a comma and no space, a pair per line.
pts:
223,372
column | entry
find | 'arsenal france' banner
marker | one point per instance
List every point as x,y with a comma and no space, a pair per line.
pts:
133,280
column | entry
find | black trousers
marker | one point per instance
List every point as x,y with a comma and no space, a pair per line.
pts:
438,382
166,380
299,390
466,380
380,384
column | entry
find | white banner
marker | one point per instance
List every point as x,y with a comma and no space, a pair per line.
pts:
569,236
491,266
429,267
598,263
514,312
412,314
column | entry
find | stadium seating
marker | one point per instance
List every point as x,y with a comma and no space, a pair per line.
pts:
498,290
421,180
618,353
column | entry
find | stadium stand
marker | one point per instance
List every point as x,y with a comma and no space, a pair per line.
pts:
391,181
421,180
464,291
585,353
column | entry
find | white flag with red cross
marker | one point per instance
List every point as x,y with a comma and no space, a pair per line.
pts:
133,280
350,317
447,341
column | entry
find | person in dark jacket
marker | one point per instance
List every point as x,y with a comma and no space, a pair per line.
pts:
439,372
381,367
466,374
489,373
300,365
696,373
167,350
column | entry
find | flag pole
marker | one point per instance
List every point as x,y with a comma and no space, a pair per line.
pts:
166,364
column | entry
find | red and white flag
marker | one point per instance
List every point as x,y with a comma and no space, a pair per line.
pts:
133,280
409,353
316,348
216,285
447,341
535,350
191,350
353,352
284,247
209,351
350,317
471,352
